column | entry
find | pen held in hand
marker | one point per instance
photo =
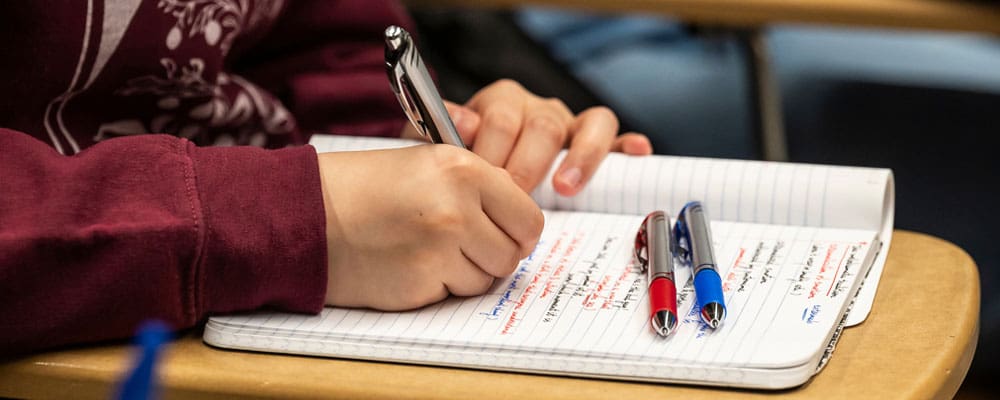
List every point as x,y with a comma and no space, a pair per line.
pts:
415,89
694,242
654,254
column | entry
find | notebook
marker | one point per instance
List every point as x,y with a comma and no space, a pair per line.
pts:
799,248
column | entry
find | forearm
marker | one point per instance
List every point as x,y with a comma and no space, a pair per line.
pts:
152,227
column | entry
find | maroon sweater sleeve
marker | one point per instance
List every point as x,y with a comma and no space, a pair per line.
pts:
152,227
325,60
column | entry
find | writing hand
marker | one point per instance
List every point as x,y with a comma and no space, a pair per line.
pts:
406,227
512,128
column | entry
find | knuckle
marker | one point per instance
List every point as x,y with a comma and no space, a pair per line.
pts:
429,297
475,284
547,128
504,121
484,284
422,288
508,83
557,103
511,265
453,161
521,176
591,149
533,226
605,112
444,221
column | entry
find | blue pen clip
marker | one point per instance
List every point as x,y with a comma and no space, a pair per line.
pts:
141,380
694,248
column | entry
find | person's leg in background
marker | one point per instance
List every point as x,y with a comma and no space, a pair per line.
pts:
687,93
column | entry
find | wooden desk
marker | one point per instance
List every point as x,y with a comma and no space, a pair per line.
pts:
917,343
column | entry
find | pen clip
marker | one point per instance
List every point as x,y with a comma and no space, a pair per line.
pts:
641,252
654,246
398,50
682,237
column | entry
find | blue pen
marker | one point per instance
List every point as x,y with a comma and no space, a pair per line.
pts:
695,247
141,380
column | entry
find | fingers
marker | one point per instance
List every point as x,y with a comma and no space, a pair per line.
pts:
632,143
465,119
524,133
467,279
546,127
506,229
410,132
593,135
489,247
512,210
500,105
520,131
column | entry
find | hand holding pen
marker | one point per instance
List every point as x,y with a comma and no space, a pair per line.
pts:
408,227
517,130
412,84
694,243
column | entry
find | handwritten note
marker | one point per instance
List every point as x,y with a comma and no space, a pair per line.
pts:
580,293
759,192
793,242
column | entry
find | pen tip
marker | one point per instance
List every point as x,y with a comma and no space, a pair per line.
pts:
664,322
713,314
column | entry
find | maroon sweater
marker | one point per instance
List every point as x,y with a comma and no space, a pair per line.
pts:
103,226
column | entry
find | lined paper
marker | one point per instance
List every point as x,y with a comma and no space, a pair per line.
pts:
793,243
763,192
732,190
579,293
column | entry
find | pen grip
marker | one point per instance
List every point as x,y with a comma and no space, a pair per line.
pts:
662,296
708,287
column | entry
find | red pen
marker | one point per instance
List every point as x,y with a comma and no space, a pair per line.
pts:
655,256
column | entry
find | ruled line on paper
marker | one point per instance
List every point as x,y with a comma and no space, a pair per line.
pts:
601,310
784,284
809,194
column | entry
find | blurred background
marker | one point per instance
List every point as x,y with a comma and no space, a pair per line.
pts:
924,103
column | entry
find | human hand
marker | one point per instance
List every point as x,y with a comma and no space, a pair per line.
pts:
406,227
512,128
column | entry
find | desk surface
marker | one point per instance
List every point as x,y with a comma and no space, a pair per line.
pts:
958,15
910,347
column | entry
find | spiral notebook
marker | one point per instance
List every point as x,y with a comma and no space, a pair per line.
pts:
799,249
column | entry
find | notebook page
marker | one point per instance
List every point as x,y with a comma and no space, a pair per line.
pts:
745,191
579,294
732,190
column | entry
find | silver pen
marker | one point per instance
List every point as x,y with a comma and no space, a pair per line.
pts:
415,90
653,252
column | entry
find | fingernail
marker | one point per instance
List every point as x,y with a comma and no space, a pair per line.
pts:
571,176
